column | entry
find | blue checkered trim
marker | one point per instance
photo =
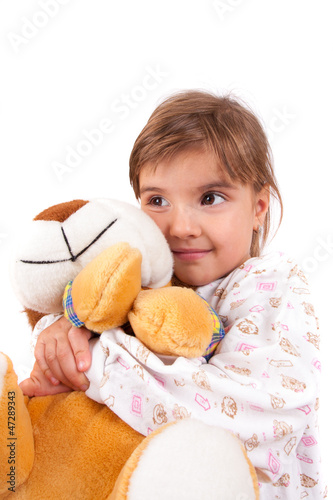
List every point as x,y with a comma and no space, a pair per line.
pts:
67,303
218,333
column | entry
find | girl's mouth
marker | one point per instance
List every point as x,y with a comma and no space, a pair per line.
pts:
190,254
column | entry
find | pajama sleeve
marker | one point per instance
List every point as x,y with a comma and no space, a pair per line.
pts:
262,382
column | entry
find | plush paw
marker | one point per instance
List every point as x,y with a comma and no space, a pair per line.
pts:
16,440
188,459
104,291
172,321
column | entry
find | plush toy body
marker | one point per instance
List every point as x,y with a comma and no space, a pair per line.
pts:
68,446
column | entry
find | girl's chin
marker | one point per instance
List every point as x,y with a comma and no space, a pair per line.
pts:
192,279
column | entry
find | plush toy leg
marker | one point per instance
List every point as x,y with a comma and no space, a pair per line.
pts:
104,291
188,460
172,320
80,448
16,439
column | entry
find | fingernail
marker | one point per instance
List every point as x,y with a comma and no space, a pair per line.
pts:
84,387
54,381
81,365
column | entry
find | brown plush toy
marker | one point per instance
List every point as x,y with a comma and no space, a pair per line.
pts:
67,445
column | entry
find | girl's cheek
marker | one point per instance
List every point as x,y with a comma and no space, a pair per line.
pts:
158,221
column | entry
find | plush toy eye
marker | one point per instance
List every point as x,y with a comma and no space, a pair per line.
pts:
73,256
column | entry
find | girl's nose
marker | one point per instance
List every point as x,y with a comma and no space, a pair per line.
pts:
184,224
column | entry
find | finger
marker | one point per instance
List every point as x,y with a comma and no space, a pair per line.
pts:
42,361
31,387
54,371
79,340
65,365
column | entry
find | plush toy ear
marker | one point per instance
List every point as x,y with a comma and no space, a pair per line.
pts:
62,211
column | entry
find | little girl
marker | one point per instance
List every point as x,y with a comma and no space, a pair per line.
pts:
202,170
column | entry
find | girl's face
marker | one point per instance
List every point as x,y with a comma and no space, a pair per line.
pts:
207,219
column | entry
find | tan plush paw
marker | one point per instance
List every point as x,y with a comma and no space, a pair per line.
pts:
172,321
104,291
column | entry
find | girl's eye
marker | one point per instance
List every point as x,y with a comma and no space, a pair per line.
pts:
212,199
158,201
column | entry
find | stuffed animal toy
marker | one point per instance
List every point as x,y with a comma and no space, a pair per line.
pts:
69,446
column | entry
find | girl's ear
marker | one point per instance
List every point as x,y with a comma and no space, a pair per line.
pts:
261,206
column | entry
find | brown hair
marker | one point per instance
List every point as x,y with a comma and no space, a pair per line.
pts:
192,119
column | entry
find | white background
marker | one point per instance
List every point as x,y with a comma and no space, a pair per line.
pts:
69,67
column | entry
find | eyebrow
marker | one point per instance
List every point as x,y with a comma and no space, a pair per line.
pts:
218,185
148,189
205,187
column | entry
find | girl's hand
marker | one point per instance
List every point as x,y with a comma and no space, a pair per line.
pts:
62,353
